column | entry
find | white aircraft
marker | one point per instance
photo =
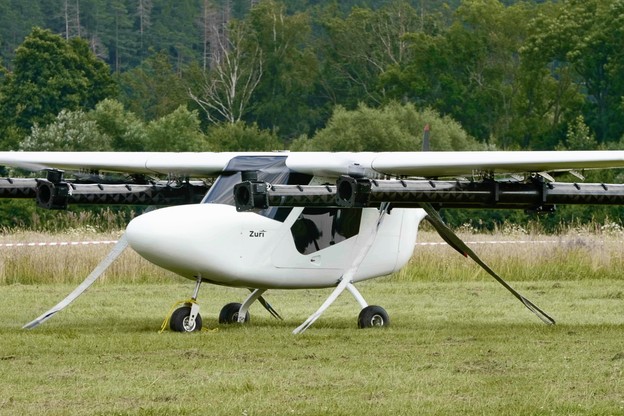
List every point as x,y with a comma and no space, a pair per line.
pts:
300,220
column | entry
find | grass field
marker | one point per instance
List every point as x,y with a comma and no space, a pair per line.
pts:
458,344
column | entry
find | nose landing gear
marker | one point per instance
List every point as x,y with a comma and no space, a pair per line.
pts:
187,317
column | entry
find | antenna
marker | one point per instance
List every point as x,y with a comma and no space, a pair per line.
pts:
426,132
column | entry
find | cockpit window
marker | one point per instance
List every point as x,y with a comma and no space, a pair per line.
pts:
271,169
319,228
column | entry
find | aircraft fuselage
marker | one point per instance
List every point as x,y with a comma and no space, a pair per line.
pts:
274,248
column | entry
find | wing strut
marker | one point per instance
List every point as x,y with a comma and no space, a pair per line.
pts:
269,308
454,241
93,276
347,278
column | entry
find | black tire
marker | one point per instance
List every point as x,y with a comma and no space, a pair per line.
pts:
179,320
229,314
373,316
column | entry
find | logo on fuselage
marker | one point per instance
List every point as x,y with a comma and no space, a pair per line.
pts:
256,234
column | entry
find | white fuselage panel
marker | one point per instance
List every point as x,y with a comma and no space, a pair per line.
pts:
245,249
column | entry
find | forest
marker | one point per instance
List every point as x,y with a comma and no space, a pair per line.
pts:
352,75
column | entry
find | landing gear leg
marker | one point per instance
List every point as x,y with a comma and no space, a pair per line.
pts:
371,315
237,313
187,317
244,309
366,240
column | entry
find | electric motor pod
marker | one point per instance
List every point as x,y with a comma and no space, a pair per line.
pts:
52,192
352,192
250,195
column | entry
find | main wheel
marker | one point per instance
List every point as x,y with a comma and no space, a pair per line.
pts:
179,320
372,316
229,314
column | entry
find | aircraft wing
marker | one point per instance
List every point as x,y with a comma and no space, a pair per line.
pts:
426,164
437,164
188,163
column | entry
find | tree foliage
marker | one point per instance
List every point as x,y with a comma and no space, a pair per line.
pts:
284,99
50,75
394,127
580,43
242,137
70,131
154,88
125,130
176,132
514,74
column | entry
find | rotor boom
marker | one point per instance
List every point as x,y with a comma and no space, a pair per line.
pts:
350,192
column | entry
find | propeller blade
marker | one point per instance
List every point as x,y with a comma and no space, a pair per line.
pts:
93,276
458,244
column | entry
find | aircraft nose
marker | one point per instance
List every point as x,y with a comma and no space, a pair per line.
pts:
179,238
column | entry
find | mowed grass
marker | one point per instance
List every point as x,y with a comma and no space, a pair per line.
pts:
458,344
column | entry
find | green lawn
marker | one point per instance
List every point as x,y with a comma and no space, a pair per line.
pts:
453,348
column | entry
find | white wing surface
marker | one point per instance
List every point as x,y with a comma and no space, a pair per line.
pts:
437,164
187,163
427,164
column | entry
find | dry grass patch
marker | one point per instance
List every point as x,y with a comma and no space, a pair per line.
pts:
519,257
69,263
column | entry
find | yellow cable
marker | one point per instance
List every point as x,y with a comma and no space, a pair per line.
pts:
165,323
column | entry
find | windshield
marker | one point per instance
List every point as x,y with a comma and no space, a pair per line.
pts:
271,169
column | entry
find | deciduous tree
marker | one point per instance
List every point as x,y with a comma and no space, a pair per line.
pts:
393,127
49,75
235,73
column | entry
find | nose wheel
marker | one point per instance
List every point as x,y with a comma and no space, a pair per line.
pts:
181,319
187,318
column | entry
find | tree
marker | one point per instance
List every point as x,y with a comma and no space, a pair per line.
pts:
579,137
154,88
580,43
70,131
118,36
240,137
470,70
50,75
176,132
394,127
143,14
125,130
358,49
287,97
71,18
17,18
235,73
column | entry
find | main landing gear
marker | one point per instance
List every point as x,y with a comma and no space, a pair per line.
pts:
373,316
230,313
